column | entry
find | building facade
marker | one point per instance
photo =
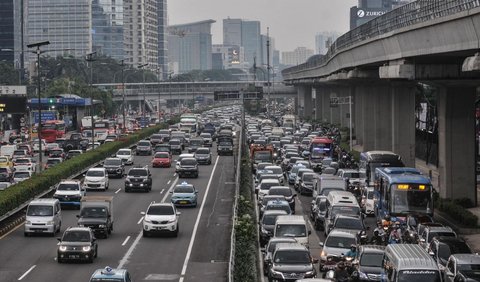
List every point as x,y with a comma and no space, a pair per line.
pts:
162,38
232,32
190,46
227,57
246,34
297,56
7,30
323,40
108,28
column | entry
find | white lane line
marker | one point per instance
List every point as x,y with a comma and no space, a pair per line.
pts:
140,221
116,192
163,190
169,181
194,234
169,189
175,174
26,273
126,240
127,255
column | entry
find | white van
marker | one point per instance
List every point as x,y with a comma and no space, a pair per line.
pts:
325,183
293,226
7,150
43,216
340,202
368,200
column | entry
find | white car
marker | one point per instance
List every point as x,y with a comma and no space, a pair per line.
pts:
160,218
4,185
182,156
96,178
69,192
25,164
19,176
126,155
36,145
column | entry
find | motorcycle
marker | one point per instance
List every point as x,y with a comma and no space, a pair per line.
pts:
342,274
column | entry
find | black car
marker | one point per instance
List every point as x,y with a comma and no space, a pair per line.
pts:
77,243
350,223
138,178
203,156
291,262
144,147
188,167
370,263
267,225
114,167
441,248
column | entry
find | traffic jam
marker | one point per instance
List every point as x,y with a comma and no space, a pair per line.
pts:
181,149
324,216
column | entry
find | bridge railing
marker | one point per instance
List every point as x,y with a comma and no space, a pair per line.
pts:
407,15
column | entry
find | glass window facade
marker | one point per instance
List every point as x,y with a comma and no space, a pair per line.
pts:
107,27
6,30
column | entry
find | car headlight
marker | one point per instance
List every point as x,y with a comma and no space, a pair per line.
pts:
102,226
147,221
323,254
50,222
62,248
277,274
310,273
86,248
81,225
172,220
362,275
28,222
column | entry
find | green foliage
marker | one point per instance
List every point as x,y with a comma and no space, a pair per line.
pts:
8,74
458,212
24,191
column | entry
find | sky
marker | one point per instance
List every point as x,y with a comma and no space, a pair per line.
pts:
292,23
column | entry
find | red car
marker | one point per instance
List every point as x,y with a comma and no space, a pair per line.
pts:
162,159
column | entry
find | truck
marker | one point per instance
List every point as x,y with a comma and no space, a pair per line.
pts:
96,212
260,154
225,145
75,142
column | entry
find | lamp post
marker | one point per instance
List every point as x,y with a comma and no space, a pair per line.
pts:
39,52
124,127
170,91
90,58
143,74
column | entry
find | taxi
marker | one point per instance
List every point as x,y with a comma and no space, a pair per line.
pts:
5,162
111,274
184,194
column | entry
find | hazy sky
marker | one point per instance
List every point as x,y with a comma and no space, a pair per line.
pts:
292,23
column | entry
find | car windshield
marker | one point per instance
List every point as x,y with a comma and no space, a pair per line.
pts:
174,142
189,162
340,242
269,219
291,230
95,173
283,192
115,162
162,155
202,151
138,172
352,175
143,143
156,136
56,152
38,210
160,210
275,170
326,191
281,207
292,257
349,223
468,266
76,236
123,153
3,160
419,276
184,189
93,212
224,143
22,161
21,174
266,186
196,142
437,234
53,161
345,210
18,153
307,178
68,187
372,260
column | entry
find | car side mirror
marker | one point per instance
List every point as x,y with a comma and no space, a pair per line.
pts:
179,213
78,216
320,244
142,213
59,239
431,253
309,232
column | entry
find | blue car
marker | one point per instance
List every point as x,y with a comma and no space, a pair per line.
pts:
184,194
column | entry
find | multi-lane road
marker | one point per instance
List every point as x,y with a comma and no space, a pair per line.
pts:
199,253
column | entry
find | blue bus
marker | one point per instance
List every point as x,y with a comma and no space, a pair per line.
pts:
401,191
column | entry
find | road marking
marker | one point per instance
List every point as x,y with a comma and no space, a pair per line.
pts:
164,189
175,174
169,182
127,255
140,221
126,240
116,192
169,189
194,233
26,273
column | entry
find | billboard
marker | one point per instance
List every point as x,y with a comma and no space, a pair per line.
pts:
234,55
13,104
361,15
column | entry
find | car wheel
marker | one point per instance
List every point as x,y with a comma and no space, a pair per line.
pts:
145,233
26,234
59,260
127,190
96,252
175,233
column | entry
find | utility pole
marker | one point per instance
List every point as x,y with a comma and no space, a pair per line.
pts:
268,71
89,58
124,127
144,101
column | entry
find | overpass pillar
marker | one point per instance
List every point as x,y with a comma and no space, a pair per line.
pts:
456,142
335,108
358,104
307,100
382,96
403,122
366,117
326,105
319,101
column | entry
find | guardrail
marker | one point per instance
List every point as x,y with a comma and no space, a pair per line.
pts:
407,15
231,262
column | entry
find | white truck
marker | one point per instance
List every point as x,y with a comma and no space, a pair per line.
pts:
325,183
96,212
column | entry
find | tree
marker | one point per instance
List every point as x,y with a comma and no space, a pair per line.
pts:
8,74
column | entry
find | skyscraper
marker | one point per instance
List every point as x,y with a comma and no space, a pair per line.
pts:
232,32
7,35
190,46
162,37
108,28
246,34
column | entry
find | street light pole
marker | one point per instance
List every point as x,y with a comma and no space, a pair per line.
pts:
143,74
90,58
170,91
158,103
124,127
39,52
268,72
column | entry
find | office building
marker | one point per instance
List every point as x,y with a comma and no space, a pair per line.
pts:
323,40
297,56
162,38
108,28
227,57
190,45
232,32
246,34
7,30
67,24
367,10
141,33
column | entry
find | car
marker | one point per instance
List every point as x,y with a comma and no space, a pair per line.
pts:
69,193
413,221
338,242
345,222
126,155
207,139
19,176
270,249
92,146
278,205
163,148
262,188
56,153
188,167
77,243
114,167
286,192
24,164
434,231
5,161
318,210
286,260
4,185
305,186
111,274
73,153
370,263
138,178
203,156
144,147
292,174
194,144
262,203
162,159
277,170
441,248
299,180
36,144
176,146
156,139
267,225
259,173
96,178
48,147
51,162
27,148
6,174
184,194
463,267
161,218
19,154
179,159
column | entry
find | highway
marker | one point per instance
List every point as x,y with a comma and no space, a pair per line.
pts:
199,253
